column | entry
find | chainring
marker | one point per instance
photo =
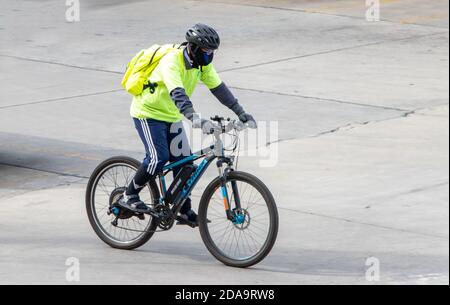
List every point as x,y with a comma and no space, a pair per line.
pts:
167,219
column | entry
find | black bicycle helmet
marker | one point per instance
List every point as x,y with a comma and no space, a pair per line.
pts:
203,36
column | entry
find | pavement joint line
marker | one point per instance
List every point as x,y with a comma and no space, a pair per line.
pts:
50,187
365,223
242,67
404,115
319,99
336,129
44,170
313,11
331,51
232,87
281,208
60,99
354,124
412,191
60,64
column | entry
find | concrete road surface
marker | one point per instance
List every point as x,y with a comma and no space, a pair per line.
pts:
361,154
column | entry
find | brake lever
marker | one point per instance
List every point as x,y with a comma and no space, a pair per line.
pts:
239,126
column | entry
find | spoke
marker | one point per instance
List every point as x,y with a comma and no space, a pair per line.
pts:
220,225
260,214
256,234
102,216
252,199
98,212
255,202
249,246
264,221
244,240
236,249
244,192
101,205
107,221
260,224
250,195
253,240
217,213
234,239
104,188
230,239
126,176
108,176
259,228
114,176
219,217
226,235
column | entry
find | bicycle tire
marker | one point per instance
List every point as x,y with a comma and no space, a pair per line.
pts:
203,221
90,205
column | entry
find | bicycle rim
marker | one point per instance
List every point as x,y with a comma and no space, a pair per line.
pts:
240,241
115,177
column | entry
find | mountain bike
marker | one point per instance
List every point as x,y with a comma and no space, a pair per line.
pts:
237,216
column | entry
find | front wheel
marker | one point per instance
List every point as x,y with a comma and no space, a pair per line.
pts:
245,242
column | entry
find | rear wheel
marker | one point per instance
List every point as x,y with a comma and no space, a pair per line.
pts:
105,187
247,239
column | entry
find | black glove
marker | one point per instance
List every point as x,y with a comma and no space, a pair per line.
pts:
206,125
224,95
248,119
243,116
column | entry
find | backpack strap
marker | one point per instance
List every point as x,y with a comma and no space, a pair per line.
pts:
151,59
153,56
149,84
153,86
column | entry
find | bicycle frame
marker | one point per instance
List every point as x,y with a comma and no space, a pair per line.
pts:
208,155
191,182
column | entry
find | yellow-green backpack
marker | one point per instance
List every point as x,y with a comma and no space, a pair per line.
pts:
142,65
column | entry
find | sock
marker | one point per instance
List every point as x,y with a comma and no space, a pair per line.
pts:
141,178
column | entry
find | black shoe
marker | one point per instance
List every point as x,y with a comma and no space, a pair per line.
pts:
133,203
190,219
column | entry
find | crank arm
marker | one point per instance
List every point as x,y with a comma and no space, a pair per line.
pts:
153,213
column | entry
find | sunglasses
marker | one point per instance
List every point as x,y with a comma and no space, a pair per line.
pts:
208,51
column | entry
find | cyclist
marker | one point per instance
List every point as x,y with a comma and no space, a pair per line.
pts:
158,111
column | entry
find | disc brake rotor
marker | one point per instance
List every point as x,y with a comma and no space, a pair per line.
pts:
242,219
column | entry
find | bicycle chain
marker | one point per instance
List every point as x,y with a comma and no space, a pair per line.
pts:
165,224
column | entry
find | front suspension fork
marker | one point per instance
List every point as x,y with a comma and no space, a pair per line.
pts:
229,210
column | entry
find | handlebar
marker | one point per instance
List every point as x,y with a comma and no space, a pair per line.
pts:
221,128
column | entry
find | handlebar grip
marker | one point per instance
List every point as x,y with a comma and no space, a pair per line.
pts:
217,119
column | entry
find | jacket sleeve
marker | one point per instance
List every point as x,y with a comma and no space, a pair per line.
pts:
224,95
182,102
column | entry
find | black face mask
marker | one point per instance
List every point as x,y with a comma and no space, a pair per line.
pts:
201,58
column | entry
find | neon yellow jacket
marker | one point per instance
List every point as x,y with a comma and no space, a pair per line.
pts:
171,73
